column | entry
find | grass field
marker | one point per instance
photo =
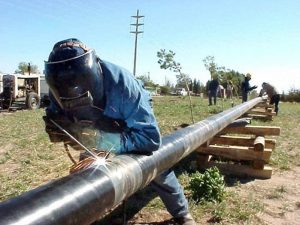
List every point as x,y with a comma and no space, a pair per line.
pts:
28,159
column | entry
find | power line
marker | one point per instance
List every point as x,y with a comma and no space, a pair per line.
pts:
136,32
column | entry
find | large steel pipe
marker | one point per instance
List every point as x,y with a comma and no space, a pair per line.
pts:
83,197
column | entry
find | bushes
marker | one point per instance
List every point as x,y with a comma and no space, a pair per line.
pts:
208,186
292,96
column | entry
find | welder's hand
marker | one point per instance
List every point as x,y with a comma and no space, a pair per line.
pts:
254,87
95,139
109,125
86,133
55,134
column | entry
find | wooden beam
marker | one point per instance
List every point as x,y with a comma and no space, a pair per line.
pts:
255,130
239,141
258,164
202,159
240,170
236,152
264,105
256,112
259,143
259,117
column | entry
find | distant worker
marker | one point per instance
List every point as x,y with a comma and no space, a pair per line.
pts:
229,89
213,89
221,91
272,93
246,88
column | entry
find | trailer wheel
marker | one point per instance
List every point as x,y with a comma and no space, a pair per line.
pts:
33,101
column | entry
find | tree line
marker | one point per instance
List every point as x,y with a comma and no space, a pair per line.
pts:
183,80
195,86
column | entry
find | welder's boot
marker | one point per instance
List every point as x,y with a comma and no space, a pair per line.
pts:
185,220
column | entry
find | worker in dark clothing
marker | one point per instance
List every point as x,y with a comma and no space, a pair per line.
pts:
272,93
84,87
246,88
213,89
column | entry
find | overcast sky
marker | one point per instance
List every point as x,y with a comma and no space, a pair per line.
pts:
260,37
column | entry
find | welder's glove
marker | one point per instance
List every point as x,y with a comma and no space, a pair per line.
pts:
85,133
110,142
94,138
54,133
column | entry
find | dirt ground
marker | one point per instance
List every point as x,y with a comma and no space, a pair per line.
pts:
280,196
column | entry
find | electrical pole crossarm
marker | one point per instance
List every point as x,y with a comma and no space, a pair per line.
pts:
136,32
136,24
137,16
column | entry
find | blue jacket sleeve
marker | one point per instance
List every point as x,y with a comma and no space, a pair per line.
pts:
142,133
129,101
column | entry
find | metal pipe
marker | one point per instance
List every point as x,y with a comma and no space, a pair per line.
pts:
83,197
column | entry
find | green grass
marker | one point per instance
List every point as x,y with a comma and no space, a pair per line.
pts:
234,209
171,112
28,159
277,192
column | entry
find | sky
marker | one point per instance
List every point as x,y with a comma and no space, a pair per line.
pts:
249,36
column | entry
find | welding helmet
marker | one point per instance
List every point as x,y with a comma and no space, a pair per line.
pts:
73,74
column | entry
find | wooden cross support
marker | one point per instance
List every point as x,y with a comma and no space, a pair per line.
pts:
240,150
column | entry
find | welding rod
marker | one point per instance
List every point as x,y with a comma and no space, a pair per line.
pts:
74,139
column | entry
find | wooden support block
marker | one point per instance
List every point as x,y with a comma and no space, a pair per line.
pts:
241,170
265,113
258,164
255,130
239,141
259,117
236,152
259,143
202,159
264,105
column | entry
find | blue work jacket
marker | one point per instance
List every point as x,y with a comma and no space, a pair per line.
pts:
127,100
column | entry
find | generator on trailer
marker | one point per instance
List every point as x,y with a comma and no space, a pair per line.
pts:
23,91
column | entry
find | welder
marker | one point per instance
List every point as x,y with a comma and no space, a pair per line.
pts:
87,92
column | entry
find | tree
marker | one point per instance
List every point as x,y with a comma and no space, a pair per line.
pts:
196,86
168,84
210,65
24,67
182,79
166,61
223,74
146,80
164,90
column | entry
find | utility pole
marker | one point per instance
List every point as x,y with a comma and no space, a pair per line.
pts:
136,32
29,68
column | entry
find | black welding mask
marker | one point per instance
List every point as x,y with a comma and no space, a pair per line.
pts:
74,75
